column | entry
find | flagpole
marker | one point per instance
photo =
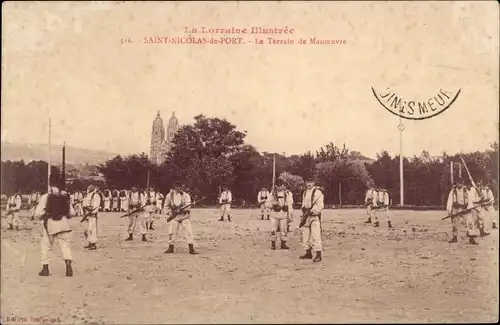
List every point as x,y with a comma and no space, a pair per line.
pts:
274,170
49,159
401,179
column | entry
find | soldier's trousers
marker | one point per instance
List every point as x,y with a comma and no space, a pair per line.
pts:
225,210
264,211
138,219
382,213
48,241
369,211
173,228
472,222
79,209
279,225
13,219
311,236
91,229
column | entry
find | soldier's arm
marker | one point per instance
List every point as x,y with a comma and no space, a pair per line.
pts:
96,203
187,200
230,197
40,208
449,202
290,205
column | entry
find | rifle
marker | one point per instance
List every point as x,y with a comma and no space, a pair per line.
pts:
135,211
306,214
174,214
87,214
466,210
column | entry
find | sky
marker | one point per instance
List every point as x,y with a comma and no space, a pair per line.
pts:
66,61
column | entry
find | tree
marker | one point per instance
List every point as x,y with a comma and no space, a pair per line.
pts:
294,183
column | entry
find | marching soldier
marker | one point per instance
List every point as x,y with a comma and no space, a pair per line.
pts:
13,207
177,206
149,200
225,200
381,206
312,206
369,204
489,209
92,204
479,199
124,201
159,202
281,202
54,209
138,217
78,203
262,201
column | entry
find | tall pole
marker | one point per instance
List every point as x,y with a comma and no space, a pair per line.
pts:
48,160
63,171
340,193
401,179
451,171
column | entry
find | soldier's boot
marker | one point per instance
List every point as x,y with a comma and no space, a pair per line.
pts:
44,271
483,233
453,240
369,220
17,227
130,237
376,224
473,241
494,226
283,245
69,269
268,218
151,225
229,218
390,224
318,257
170,249
273,245
288,228
262,217
307,255
221,219
144,237
11,227
191,250
88,245
92,247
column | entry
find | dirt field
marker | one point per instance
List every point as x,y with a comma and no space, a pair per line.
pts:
410,274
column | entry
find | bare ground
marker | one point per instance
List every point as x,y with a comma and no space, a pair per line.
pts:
410,274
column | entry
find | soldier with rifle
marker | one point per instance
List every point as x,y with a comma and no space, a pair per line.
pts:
369,195
312,206
55,210
148,200
479,203
262,201
281,202
136,215
91,206
13,207
178,208
225,200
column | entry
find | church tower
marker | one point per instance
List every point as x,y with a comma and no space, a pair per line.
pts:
157,139
173,126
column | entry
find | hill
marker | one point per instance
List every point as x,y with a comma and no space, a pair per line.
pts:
34,151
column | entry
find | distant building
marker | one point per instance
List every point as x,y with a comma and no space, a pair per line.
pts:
161,139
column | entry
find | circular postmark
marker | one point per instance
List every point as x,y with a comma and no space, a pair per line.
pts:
410,109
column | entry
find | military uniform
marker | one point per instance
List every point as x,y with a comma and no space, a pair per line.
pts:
92,205
174,200
225,199
458,201
312,206
476,198
124,201
139,217
262,197
148,199
381,206
107,198
369,204
54,209
115,206
281,202
159,202
13,207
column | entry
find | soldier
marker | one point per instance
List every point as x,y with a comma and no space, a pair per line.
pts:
13,207
369,204
312,206
262,201
55,209
289,195
458,201
107,197
382,207
91,204
177,205
225,200
149,201
281,202
138,217
489,209
479,197
124,201
115,201
159,201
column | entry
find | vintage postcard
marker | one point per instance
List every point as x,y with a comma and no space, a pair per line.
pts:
168,162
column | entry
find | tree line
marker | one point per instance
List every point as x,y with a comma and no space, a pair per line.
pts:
212,152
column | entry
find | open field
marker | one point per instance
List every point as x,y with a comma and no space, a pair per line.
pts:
409,274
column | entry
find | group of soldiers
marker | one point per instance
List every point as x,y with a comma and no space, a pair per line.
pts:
57,206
